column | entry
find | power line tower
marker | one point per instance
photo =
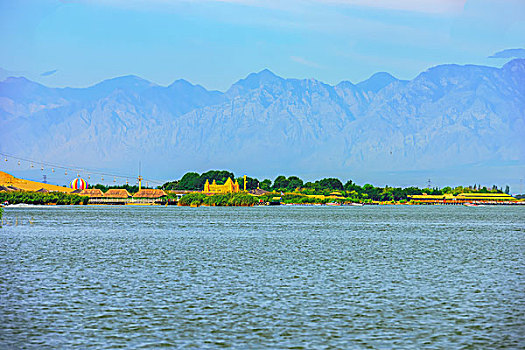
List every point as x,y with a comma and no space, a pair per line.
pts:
429,183
44,178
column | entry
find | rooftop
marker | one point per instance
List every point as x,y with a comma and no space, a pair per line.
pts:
92,193
117,193
463,196
149,193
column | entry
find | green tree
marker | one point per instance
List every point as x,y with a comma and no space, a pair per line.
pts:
171,185
293,183
447,190
220,177
132,189
386,194
266,184
280,183
251,183
312,186
372,192
190,181
331,184
351,186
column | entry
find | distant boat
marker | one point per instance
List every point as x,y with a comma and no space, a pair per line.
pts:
333,203
470,205
356,204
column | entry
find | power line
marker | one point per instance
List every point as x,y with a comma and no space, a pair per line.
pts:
73,168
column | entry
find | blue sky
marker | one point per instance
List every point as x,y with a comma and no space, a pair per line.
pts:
214,43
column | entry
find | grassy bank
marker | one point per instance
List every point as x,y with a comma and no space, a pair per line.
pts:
219,200
57,198
244,199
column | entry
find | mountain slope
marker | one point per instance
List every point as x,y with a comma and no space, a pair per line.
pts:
448,117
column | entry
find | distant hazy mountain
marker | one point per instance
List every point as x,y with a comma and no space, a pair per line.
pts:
453,123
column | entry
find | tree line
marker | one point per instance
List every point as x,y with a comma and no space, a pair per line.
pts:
132,189
194,181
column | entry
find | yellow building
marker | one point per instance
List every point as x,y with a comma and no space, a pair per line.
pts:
487,197
462,198
228,187
430,198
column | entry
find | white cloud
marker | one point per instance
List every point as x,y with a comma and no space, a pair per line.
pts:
305,62
427,6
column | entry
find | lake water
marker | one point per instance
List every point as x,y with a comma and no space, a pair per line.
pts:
263,277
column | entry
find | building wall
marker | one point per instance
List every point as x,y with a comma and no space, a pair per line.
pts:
228,187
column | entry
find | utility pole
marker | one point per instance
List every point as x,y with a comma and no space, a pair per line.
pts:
140,179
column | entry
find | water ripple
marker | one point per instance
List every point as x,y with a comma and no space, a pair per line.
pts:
291,277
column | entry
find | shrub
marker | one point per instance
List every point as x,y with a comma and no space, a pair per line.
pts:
242,199
219,200
192,199
17,197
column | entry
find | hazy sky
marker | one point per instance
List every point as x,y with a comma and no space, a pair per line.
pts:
214,43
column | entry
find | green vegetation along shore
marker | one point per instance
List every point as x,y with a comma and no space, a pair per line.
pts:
283,190
295,190
219,200
52,198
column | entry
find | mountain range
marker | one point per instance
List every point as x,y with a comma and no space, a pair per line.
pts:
460,124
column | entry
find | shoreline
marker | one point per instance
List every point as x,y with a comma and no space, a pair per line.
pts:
475,204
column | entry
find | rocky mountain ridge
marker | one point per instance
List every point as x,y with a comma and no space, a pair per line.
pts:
467,119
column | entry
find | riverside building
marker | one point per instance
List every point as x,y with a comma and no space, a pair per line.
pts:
462,198
228,187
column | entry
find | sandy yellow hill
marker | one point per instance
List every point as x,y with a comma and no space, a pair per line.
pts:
26,185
